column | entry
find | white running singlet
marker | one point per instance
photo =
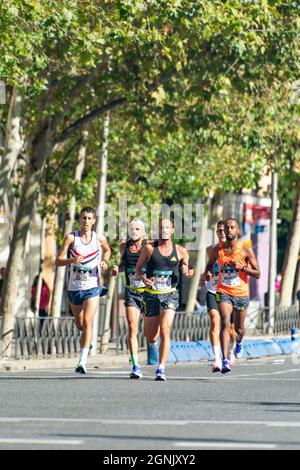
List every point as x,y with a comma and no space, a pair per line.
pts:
86,274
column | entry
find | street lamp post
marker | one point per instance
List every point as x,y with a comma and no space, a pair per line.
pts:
273,254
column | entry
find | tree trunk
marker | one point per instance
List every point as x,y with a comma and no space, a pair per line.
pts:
13,142
61,270
15,260
296,287
291,255
101,190
40,278
41,150
200,261
106,333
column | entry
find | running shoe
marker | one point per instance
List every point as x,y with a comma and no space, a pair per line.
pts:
216,367
225,366
238,351
80,369
136,372
160,374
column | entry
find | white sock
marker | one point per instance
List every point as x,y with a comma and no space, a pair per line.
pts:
231,347
217,352
83,356
161,366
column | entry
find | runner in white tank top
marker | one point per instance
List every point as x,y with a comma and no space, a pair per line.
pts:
84,275
82,251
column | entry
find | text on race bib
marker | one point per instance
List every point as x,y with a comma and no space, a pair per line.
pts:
134,280
162,280
81,274
230,277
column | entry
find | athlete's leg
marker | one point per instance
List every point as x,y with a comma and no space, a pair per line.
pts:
77,311
133,315
166,320
214,332
239,323
90,307
225,310
232,332
152,329
232,335
239,319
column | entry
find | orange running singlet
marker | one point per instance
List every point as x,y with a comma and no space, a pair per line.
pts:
231,281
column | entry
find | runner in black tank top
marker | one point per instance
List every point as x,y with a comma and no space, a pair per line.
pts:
133,295
164,270
161,297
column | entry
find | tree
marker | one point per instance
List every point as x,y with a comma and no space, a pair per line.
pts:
162,55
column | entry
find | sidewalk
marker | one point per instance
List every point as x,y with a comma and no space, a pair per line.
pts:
110,358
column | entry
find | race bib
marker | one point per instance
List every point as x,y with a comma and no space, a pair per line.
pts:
134,281
81,275
230,277
162,280
215,281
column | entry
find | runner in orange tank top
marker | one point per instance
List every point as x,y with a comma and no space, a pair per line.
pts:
236,263
213,309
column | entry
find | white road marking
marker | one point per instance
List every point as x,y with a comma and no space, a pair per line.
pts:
122,374
224,445
143,422
12,440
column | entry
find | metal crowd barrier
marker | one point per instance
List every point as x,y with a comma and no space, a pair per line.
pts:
186,327
60,336
286,318
46,336
195,327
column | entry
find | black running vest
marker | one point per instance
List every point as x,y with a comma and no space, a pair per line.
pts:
164,270
129,260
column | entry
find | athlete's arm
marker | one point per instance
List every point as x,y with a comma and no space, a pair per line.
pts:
184,257
106,252
212,253
119,268
203,275
61,259
145,255
254,270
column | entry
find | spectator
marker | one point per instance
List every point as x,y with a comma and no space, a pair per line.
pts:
44,300
277,288
278,283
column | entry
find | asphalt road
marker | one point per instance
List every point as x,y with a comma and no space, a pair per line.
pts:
256,406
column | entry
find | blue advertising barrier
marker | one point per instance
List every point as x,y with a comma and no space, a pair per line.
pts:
183,351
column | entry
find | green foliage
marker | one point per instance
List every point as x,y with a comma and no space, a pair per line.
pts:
207,89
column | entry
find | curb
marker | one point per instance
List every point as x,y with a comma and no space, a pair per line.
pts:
98,361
